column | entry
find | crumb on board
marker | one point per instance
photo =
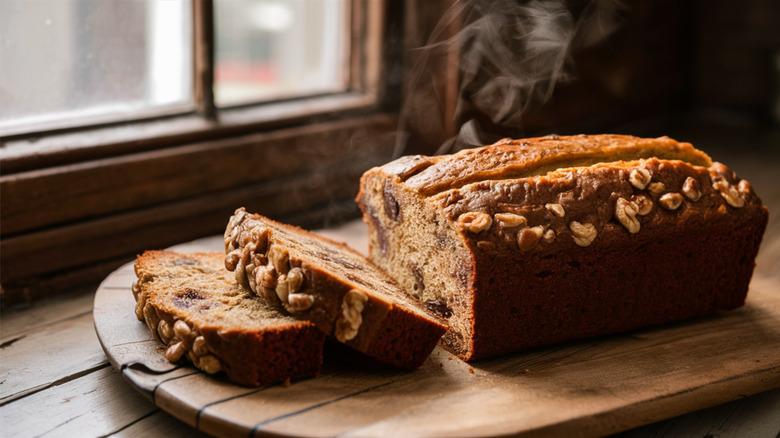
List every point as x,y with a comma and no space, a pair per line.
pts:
471,370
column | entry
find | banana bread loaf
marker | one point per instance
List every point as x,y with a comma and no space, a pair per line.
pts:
193,305
333,286
530,242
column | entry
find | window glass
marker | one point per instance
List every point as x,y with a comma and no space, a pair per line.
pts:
275,49
65,62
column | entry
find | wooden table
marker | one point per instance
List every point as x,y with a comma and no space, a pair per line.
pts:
55,379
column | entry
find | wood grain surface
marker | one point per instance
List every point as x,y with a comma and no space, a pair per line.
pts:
594,387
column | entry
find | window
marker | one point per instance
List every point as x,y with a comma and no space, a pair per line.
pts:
76,62
276,49
148,123
80,62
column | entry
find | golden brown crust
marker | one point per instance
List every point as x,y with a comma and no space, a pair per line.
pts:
338,289
512,159
533,234
195,308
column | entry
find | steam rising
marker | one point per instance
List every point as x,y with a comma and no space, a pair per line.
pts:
510,56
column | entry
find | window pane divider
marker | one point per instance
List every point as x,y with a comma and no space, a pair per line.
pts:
203,57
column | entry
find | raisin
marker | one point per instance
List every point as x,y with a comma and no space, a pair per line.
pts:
439,307
419,282
391,204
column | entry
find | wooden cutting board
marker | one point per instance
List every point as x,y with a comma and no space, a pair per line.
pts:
588,388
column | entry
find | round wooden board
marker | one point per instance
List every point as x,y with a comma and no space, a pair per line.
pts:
594,387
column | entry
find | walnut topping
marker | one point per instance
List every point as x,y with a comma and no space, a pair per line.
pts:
282,288
348,323
556,209
165,331
510,220
644,204
260,236
656,187
269,293
528,237
151,318
199,346
175,351
744,187
671,201
182,340
265,276
485,244
549,236
299,302
231,259
209,364
625,212
729,193
583,234
691,189
182,329
475,221
240,274
639,178
231,232
280,259
140,300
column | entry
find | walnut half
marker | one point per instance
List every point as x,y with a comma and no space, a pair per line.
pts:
348,323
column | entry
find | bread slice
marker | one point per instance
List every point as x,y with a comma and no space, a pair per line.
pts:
333,286
193,305
535,241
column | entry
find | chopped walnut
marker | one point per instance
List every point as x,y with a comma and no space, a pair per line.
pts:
729,193
298,302
510,220
348,323
625,212
691,189
475,221
639,178
644,204
209,364
656,187
528,237
583,234
175,351
199,346
556,209
165,331
260,236
549,236
280,259
744,187
670,201
485,244
231,259
182,329
282,288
